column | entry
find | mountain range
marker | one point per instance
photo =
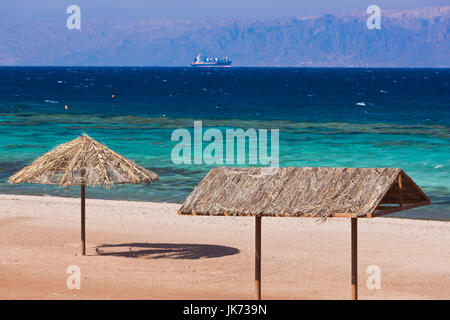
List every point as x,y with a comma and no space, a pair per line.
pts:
407,38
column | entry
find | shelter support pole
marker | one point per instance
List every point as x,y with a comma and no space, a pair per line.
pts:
354,258
83,222
258,257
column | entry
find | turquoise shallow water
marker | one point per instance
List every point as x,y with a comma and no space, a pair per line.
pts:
313,135
422,151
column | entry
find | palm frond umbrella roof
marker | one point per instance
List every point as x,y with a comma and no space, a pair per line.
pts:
308,192
83,161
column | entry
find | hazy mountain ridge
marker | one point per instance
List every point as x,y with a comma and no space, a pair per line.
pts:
408,38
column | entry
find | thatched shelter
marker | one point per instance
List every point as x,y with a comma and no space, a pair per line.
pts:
304,192
84,162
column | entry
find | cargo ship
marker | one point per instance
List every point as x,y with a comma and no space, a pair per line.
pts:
202,61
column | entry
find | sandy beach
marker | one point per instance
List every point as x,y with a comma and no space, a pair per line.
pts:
143,250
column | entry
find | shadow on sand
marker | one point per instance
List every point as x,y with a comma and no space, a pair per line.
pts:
165,250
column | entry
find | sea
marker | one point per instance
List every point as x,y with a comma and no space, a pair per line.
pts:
337,117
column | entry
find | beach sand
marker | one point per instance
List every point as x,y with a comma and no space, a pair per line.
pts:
143,250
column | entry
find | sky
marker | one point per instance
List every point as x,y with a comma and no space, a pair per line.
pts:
54,10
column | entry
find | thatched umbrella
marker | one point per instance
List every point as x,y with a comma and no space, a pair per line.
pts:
85,162
304,192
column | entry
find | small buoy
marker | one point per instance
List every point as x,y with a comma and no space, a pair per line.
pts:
66,107
113,96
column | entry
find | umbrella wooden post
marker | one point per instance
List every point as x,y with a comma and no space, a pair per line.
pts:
258,257
354,258
83,218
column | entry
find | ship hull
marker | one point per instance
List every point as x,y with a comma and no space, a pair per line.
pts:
211,65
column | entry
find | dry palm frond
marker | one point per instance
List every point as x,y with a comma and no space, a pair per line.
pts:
294,192
83,161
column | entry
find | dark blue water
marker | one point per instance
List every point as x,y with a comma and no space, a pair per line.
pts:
326,117
310,95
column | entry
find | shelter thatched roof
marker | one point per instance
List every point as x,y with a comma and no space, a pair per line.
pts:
310,192
66,163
